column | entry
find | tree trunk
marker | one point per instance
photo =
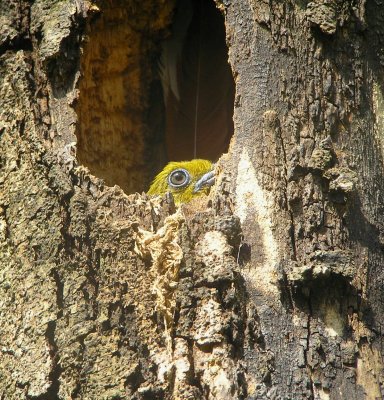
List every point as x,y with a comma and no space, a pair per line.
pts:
272,289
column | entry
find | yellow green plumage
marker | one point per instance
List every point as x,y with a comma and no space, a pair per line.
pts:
184,179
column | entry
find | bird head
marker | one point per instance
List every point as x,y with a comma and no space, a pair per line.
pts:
184,179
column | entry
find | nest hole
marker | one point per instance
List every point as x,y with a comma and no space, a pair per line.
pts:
155,86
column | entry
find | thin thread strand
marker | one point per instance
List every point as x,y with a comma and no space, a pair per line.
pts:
198,80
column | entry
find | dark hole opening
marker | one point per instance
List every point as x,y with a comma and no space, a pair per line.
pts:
145,100
197,83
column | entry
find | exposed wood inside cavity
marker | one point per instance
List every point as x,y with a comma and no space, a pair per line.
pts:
119,117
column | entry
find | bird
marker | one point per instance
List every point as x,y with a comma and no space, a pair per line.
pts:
184,179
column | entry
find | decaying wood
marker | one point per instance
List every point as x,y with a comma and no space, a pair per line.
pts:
270,289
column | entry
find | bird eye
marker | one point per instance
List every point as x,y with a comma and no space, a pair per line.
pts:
179,178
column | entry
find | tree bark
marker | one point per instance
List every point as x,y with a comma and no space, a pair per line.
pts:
271,289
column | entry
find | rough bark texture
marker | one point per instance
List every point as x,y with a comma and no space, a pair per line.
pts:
272,289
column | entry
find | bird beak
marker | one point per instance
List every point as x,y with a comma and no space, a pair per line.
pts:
206,180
